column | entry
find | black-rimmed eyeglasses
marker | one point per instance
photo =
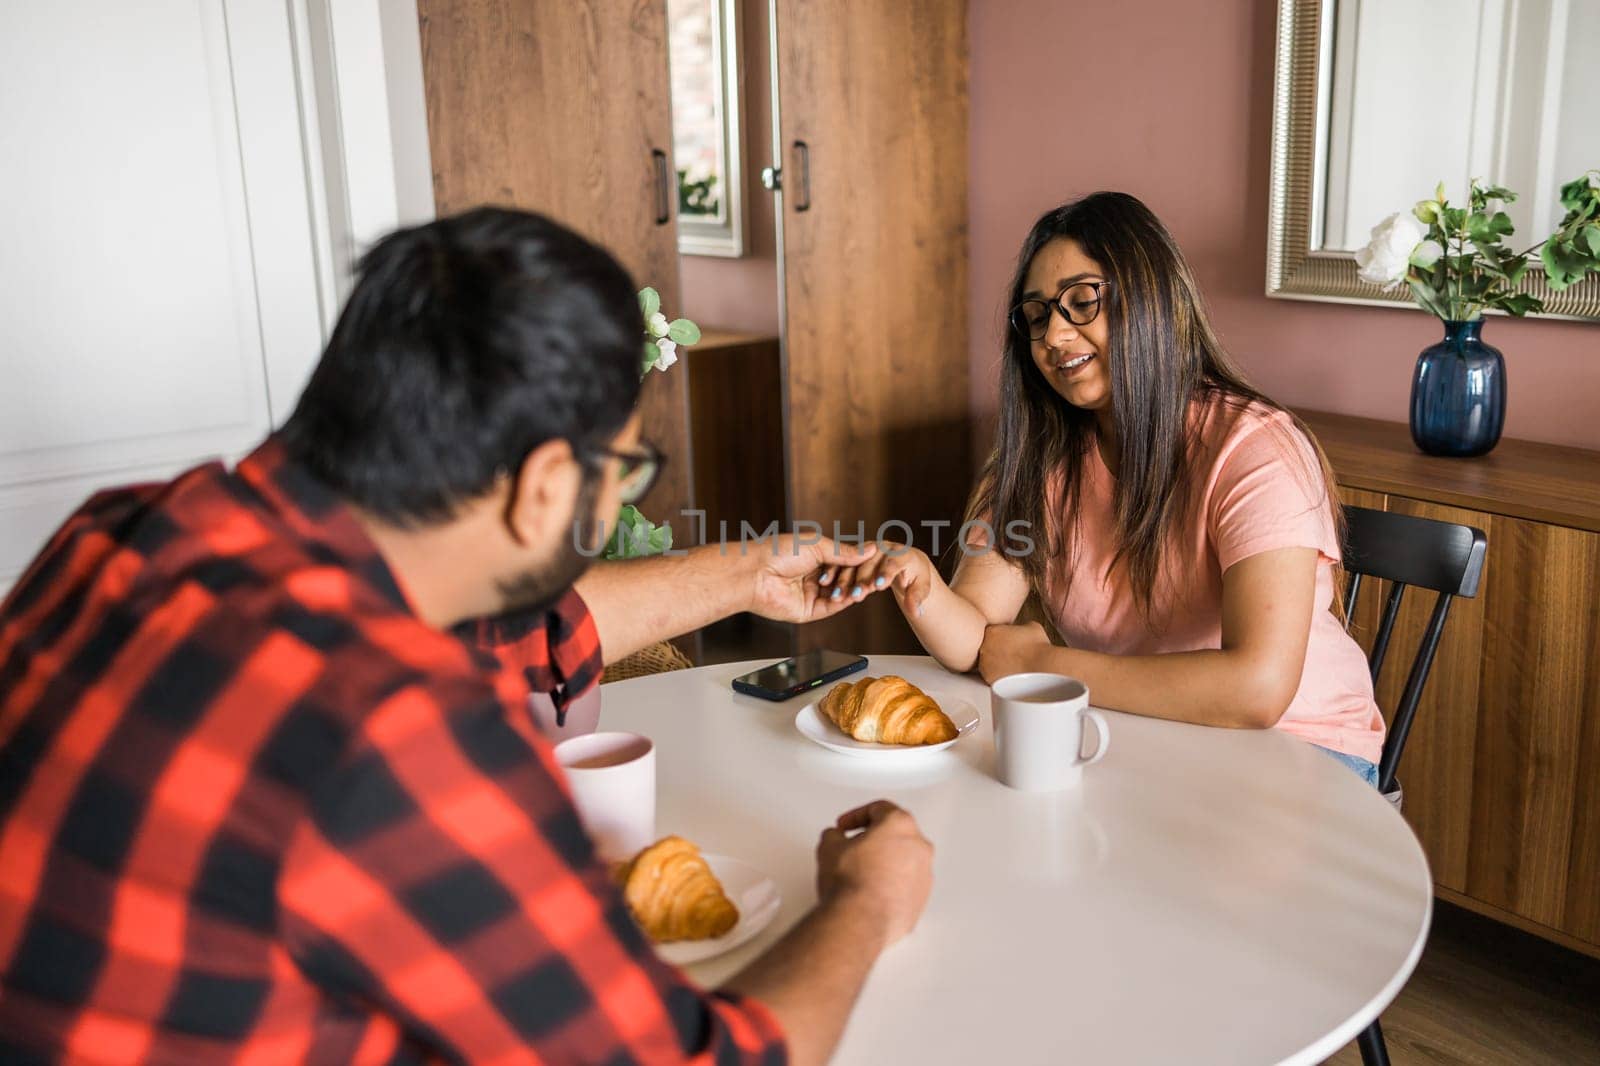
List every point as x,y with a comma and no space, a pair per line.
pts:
1078,303
640,469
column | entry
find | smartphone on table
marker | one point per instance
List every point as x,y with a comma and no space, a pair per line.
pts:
805,671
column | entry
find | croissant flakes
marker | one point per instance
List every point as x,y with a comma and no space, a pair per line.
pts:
674,895
887,710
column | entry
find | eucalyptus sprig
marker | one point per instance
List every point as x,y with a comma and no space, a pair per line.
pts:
661,338
635,535
1464,267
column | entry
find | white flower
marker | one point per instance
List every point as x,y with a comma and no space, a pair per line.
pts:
669,353
1426,254
657,325
1386,258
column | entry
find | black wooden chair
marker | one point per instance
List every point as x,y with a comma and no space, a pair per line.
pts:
1424,554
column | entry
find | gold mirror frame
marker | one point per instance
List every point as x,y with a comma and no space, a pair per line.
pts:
1294,270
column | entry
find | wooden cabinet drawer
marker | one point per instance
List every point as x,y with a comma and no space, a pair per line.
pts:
1502,768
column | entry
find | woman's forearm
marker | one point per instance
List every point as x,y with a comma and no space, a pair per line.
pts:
1247,683
1219,687
950,627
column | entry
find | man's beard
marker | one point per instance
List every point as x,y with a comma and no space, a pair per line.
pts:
539,589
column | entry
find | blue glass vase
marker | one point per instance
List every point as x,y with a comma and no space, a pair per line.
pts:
1458,398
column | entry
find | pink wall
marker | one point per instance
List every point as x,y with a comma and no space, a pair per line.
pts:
742,294
1179,99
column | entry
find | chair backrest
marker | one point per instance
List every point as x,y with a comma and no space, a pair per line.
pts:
1420,552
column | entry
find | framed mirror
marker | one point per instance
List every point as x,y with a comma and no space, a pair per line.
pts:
1376,101
703,43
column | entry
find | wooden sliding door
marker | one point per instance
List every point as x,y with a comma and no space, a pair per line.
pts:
872,138
562,107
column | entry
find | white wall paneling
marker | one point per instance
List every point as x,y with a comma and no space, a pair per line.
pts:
1496,91
366,56
183,196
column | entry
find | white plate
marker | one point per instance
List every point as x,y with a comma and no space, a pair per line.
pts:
753,892
819,728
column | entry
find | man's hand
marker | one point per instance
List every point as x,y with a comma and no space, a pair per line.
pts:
886,868
874,873
1013,649
790,573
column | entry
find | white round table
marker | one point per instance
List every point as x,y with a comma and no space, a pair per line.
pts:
1208,895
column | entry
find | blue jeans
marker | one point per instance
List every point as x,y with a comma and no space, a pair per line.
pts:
1365,770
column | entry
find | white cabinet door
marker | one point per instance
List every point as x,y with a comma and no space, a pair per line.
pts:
162,292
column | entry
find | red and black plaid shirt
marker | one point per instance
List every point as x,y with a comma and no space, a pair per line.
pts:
252,808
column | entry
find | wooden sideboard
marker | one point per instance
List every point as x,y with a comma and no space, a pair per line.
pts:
1502,769
736,431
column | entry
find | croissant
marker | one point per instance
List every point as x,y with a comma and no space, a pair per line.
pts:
674,895
887,710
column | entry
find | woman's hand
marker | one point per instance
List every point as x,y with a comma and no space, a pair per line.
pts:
948,621
1013,649
903,570
911,575
792,579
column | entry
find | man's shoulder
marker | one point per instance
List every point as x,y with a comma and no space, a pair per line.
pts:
268,576
224,573
364,646
237,610
321,680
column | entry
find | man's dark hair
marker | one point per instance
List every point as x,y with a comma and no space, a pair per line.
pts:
467,343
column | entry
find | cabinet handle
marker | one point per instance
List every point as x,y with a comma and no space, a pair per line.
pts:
663,187
802,157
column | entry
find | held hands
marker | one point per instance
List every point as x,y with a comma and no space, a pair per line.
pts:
802,581
1011,649
886,867
792,577
905,571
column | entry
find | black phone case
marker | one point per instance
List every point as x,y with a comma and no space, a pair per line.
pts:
779,695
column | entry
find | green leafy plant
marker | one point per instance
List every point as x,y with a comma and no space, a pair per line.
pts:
635,535
1459,266
1574,249
662,338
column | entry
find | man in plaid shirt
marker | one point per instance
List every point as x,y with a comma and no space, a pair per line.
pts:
269,793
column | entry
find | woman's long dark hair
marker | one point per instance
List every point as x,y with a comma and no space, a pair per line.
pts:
1163,355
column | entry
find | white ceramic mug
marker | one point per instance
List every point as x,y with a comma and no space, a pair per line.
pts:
1038,731
613,779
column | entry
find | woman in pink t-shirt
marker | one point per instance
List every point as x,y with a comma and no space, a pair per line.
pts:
1177,524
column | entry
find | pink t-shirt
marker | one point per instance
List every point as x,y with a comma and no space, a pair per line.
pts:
1261,488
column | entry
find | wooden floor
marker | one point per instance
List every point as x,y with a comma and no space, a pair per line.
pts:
1488,995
